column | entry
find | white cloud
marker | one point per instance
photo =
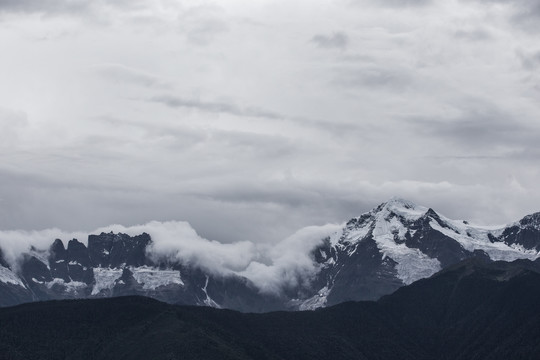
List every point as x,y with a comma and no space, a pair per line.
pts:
14,243
289,262
271,267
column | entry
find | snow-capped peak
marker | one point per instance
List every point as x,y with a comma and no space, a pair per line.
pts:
400,202
393,216
403,208
419,240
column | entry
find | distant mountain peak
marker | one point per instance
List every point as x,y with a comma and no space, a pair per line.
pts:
406,209
394,244
400,242
400,202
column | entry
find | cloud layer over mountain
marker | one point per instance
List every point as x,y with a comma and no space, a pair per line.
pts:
271,267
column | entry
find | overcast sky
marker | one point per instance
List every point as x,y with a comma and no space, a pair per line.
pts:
252,119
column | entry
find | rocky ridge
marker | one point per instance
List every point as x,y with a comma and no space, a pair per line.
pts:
395,244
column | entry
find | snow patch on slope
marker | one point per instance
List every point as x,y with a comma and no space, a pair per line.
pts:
479,241
72,287
9,277
208,301
152,278
412,264
105,279
316,301
356,234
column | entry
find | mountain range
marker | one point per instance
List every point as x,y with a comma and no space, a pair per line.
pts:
475,309
395,244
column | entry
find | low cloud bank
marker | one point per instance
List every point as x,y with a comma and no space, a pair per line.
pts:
288,263
14,243
271,267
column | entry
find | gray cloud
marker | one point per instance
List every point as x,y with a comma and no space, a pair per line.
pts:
13,124
524,14
184,137
414,3
480,127
44,6
203,24
288,193
204,32
466,157
527,15
215,107
477,34
529,60
372,77
121,73
230,213
67,7
337,40
395,3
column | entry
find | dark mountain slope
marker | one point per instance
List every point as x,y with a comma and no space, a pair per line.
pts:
141,328
476,309
473,310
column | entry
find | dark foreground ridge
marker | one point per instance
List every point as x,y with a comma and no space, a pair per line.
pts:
473,310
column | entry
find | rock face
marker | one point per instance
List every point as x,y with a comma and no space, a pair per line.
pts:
117,250
524,233
394,244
